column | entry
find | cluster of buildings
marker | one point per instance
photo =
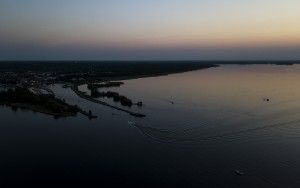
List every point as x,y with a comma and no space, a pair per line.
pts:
36,79
27,79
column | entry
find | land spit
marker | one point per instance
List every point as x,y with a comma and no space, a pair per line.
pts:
84,96
24,98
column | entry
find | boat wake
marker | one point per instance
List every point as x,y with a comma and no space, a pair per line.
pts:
192,136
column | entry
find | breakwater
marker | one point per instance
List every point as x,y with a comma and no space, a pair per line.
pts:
82,95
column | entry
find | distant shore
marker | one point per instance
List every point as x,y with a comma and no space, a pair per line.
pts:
43,73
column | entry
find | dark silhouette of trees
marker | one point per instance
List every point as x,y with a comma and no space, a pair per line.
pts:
20,95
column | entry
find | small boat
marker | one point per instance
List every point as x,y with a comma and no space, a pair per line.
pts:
239,172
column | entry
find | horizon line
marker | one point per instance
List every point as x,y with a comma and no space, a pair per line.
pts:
236,60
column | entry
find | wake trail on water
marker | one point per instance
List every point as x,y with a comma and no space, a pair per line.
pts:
178,136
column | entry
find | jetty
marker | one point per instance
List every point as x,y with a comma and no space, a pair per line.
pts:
84,96
88,114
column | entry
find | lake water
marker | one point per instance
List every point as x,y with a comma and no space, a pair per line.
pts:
201,127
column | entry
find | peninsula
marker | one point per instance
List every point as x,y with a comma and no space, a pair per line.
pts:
20,79
25,99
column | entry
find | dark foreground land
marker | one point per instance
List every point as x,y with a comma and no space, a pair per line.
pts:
25,99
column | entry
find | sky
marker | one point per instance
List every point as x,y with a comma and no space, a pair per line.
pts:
149,30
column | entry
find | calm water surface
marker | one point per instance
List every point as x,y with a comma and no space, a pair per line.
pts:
200,128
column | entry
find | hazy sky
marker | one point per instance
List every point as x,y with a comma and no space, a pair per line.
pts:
149,29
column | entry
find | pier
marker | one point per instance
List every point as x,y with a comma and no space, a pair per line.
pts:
82,95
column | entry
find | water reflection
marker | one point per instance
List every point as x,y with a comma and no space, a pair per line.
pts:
219,103
201,127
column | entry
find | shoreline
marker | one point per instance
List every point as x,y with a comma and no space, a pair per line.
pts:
124,78
23,98
36,108
42,110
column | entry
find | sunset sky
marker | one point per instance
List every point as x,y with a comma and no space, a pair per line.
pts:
149,29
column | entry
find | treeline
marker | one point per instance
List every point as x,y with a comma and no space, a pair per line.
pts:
114,95
105,69
105,85
20,95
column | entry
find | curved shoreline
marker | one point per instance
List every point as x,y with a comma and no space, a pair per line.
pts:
74,79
